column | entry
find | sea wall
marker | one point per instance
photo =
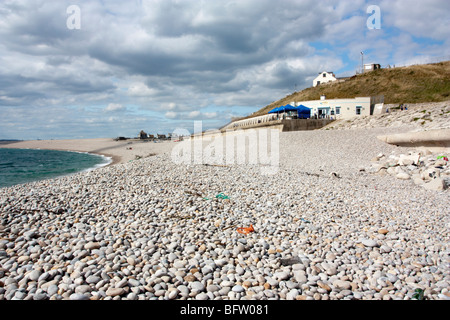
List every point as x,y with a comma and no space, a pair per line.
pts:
304,124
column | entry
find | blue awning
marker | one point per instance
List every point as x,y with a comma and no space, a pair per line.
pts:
303,111
275,110
287,108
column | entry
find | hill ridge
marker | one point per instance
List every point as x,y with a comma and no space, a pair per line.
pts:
411,84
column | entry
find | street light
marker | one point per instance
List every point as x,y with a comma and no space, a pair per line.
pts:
362,62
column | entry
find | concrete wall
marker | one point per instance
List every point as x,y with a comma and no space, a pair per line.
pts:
284,125
379,108
264,120
281,125
437,140
304,124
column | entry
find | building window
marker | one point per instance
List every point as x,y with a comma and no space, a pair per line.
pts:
338,110
324,75
358,110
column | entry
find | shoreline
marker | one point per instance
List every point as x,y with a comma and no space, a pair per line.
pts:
115,152
107,160
118,151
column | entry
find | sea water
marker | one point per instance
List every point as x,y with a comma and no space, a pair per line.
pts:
19,166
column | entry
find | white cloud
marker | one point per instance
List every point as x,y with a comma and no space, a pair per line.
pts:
140,90
114,107
171,115
193,114
210,115
428,19
187,60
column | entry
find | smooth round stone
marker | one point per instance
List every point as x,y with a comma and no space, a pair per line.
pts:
44,276
239,270
81,289
52,290
281,275
131,261
179,264
292,294
132,296
184,291
238,288
220,262
341,284
226,283
190,249
212,288
172,257
159,293
34,275
206,270
197,286
92,245
93,279
369,243
201,296
391,277
357,295
19,295
40,296
112,292
134,283
173,293
78,296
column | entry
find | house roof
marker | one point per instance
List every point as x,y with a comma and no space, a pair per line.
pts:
326,72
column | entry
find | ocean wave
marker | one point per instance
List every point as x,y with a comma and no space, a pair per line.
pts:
107,161
35,165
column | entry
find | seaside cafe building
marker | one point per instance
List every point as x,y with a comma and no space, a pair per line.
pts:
337,108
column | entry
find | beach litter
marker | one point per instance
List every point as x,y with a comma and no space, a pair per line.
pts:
222,196
419,294
218,196
245,230
442,157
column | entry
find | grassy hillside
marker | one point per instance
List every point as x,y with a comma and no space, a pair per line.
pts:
413,84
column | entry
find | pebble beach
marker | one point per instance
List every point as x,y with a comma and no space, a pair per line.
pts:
325,227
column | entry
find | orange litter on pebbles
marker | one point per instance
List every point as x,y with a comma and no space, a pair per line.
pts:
246,230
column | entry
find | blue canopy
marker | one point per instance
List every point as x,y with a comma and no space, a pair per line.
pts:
288,107
285,108
275,110
303,111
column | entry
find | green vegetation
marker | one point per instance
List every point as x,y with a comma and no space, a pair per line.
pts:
419,294
413,84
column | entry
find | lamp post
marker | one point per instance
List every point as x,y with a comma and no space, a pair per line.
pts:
362,62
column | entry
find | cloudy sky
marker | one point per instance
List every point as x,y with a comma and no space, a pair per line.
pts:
106,68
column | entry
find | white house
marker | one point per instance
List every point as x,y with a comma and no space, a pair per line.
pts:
324,77
338,108
371,67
